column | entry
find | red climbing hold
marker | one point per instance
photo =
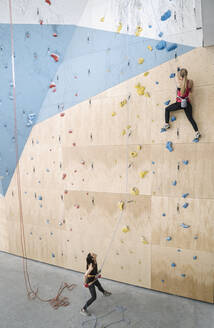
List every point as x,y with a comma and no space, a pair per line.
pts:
55,35
62,114
48,2
70,131
41,22
52,85
64,176
76,94
75,171
55,57
65,192
54,90
74,144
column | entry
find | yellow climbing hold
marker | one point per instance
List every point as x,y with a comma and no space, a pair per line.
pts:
121,205
140,89
138,116
139,147
144,241
113,113
102,19
147,95
119,28
138,30
123,103
140,60
150,48
143,174
125,228
123,132
135,191
133,154
146,74
128,127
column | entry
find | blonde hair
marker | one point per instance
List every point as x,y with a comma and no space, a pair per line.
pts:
183,74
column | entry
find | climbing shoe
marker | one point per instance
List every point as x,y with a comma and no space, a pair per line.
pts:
197,135
85,312
105,293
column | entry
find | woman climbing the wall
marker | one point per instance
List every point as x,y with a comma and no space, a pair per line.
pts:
91,280
184,87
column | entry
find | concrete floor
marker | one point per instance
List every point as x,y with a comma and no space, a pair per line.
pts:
144,308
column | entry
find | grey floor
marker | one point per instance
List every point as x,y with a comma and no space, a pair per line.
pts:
142,308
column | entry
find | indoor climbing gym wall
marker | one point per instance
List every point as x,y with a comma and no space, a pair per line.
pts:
90,166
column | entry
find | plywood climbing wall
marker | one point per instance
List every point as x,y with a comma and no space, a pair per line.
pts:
77,166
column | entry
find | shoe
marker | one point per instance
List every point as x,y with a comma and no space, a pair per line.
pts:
166,126
106,293
197,135
85,312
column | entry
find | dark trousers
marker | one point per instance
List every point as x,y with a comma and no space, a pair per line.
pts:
187,110
93,293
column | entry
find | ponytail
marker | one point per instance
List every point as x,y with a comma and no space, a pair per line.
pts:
183,74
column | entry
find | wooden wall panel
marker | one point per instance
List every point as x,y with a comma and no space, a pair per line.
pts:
189,278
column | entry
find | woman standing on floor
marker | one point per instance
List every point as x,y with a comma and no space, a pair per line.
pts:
184,88
91,280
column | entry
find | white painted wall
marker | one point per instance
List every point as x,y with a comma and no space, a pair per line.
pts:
208,22
180,28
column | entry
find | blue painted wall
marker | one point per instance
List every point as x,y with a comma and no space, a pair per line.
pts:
90,61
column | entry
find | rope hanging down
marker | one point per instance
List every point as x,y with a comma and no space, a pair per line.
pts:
55,302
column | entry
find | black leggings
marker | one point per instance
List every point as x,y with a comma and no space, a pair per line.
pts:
187,110
93,293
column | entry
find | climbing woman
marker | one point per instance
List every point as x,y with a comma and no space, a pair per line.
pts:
184,87
91,280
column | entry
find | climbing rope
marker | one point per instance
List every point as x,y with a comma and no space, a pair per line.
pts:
55,302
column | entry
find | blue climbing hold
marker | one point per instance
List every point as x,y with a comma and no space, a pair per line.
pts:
183,275
169,146
185,195
53,255
149,26
153,162
162,280
173,265
195,257
172,75
185,225
174,183
156,82
195,140
162,130
166,15
40,197
164,214
161,45
185,162
160,34
168,238
171,46
167,102
185,205
173,118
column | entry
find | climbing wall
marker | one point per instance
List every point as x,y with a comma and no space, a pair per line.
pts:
92,157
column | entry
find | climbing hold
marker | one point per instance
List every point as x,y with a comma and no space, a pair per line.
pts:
133,154
160,34
52,85
55,57
173,118
65,192
102,19
153,162
162,280
55,35
39,197
150,47
185,205
156,82
123,132
125,228
135,191
195,257
146,74
167,102
185,226
139,147
144,241
161,45
113,114
62,114
138,30
140,60
171,47
179,250
169,146
168,238
196,140
185,195
164,214
53,255
183,275
64,176
147,95
195,237
172,75
119,28
173,265
48,2
128,126
123,103
185,162
140,89
166,15
149,26
121,205
162,130
143,174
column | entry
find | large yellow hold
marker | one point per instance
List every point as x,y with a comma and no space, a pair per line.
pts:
140,60
140,89
135,191
133,154
123,103
125,228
